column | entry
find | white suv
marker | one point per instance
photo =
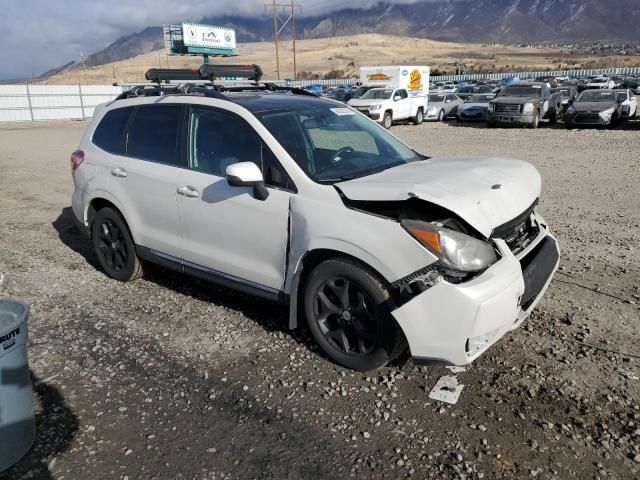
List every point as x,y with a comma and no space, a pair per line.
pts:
308,202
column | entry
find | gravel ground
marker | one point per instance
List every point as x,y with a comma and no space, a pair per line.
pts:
169,377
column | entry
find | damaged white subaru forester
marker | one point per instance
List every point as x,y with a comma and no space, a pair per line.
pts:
305,201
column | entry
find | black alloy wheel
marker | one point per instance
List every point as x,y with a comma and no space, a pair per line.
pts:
114,246
346,316
348,312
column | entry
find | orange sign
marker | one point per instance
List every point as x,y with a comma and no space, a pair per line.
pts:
379,77
415,80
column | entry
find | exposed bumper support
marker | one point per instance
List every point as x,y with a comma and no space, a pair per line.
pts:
455,324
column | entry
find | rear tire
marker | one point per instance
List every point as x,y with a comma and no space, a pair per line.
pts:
114,246
348,313
387,120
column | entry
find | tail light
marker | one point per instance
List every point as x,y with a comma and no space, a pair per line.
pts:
77,158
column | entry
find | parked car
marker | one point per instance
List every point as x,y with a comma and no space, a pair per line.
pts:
448,87
550,79
469,90
523,103
594,108
315,89
605,83
475,108
567,95
442,105
359,92
629,103
301,200
388,105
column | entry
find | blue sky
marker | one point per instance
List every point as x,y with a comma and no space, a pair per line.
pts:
41,34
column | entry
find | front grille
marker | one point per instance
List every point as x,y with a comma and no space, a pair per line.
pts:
507,108
519,232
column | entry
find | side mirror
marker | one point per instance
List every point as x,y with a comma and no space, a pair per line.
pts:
397,98
247,174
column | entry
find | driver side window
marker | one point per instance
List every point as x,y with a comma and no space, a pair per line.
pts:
218,139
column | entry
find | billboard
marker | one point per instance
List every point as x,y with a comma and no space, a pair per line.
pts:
199,36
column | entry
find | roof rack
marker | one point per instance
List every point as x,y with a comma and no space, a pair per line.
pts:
201,81
206,72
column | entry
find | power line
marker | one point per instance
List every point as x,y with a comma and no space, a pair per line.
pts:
279,24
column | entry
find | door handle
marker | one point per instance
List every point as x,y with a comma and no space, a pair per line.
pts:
187,191
119,172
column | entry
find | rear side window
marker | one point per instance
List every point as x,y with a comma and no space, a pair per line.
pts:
109,134
153,134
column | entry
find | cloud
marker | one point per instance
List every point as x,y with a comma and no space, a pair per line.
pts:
42,34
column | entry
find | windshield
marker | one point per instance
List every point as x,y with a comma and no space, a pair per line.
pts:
436,98
333,143
479,99
377,94
598,80
622,96
597,96
521,91
360,92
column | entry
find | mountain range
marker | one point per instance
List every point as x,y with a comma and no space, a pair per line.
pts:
478,21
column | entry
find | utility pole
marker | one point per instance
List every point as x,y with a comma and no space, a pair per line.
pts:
293,39
275,33
279,24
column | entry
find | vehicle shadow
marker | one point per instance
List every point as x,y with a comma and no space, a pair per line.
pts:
70,235
271,316
56,427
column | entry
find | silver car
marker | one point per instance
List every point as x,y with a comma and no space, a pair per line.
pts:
442,105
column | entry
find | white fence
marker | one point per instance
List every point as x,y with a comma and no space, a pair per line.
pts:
27,102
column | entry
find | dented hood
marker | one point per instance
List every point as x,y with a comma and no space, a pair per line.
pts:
485,192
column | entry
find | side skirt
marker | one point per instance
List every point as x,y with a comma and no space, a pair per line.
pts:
210,275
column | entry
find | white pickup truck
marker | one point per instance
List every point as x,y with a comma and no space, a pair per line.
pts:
400,94
388,105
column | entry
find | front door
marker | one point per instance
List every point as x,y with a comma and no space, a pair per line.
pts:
225,230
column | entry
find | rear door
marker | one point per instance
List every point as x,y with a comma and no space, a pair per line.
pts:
144,178
225,230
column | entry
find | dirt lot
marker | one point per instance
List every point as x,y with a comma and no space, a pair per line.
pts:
170,377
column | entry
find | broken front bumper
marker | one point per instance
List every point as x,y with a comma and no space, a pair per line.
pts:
456,323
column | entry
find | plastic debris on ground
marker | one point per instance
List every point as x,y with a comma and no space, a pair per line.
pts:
447,390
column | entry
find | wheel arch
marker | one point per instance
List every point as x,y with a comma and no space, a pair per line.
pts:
306,264
102,200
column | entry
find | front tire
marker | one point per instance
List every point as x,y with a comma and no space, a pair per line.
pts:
536,121
441,116
348,314
387,120
114,246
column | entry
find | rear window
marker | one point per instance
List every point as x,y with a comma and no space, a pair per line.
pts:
153,134
109,134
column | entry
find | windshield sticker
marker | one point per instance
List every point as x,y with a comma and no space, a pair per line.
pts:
342,111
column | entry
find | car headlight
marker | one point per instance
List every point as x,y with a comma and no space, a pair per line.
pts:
607,113
571,110
456,250
377,106
528,108
492,107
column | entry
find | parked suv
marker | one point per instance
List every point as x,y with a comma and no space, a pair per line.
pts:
305,201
